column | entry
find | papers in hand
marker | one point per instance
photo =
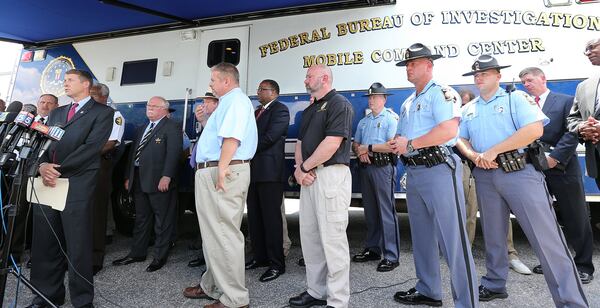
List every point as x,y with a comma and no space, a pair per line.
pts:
54,197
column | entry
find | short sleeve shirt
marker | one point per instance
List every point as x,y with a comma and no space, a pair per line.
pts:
487,123
330,116
434,105
118,127
233,118
377,129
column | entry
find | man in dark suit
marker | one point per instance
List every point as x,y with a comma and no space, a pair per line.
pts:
266,183
151,177
76,157
583,119
563,179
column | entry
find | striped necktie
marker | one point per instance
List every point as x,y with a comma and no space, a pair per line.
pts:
138,151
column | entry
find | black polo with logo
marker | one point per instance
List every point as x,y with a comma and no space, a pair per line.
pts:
330,116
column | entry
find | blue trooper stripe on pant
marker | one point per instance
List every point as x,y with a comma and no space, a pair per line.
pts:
436,218
524,193
377,186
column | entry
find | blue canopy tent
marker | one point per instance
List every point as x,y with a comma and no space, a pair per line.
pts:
36,23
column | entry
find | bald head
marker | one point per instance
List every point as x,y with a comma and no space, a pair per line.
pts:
100,92
592,51
318,81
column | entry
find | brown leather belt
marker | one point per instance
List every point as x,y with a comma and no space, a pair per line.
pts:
216,163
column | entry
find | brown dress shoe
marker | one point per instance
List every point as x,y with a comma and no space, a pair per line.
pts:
218,304
195,292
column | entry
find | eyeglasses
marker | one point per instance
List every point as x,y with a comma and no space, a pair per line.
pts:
264,89
590,47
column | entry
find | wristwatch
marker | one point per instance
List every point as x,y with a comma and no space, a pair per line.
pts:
409,146
370,148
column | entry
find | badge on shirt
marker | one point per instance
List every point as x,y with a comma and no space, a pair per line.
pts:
499,109
323,107
119,121
158,140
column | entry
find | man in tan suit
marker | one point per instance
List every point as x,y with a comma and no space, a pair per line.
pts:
586,111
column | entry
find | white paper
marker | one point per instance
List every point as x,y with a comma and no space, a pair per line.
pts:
54,197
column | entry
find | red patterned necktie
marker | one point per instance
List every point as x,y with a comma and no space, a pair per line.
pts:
259,111
72,111
537,101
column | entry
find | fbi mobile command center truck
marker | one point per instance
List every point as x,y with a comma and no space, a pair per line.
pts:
360,42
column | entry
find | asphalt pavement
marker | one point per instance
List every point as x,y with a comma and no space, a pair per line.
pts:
131,286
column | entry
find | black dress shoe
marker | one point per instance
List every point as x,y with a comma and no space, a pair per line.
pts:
96,269
304,300
366,255
386,265
537,269
128,260
301,262
156,265
486,295
413,297
197,262
271,274
252,264
585,277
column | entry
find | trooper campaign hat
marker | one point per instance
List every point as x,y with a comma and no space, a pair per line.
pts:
208,94
484,63
377,89
416,51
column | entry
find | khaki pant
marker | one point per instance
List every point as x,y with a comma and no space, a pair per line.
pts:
220,217
287,243
471,201
323,222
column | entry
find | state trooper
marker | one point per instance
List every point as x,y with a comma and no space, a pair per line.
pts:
428,125
496,130
377,177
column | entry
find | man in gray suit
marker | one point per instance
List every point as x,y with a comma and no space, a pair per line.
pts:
75,157
151,177
586,110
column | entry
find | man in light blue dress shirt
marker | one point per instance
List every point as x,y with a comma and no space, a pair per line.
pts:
224,149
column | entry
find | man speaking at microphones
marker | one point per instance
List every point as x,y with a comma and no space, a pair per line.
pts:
76,157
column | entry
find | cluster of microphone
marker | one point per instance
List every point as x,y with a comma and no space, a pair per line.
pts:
23,138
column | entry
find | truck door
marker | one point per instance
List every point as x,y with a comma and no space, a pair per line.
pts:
223,45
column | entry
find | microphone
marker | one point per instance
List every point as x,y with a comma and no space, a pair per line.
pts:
6,118
55,133
22,122
510,87
15,106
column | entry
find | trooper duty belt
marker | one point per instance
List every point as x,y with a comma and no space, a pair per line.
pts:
429,157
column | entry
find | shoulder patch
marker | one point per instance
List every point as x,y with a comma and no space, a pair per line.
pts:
450,95
527,97
393,114
119,120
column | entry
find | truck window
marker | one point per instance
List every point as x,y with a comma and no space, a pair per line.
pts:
139,72
224,51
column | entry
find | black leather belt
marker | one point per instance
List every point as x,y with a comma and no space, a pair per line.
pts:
215,163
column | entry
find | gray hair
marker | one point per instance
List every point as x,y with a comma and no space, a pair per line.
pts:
228,69
165,101
104,91
536,71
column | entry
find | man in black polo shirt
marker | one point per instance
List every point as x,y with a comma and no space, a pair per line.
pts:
322,158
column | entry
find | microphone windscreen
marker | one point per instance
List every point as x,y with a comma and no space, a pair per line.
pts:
14,107
30,108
